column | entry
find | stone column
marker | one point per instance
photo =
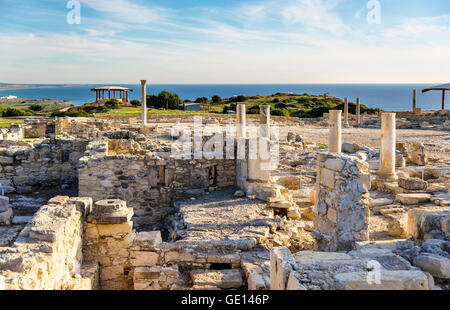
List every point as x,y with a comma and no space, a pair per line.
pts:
144,102
241,163
358,112
259,168
346,112
388,142
414,101
335,134
108,237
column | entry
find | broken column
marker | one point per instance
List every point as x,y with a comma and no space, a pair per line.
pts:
346,112
144,102
358,112
6,213
342,205
241,163
335,134
259,149
388,143
108,238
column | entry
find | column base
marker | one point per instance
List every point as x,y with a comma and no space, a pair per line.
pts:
387,177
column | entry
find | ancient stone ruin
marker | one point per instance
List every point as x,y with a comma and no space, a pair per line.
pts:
94,203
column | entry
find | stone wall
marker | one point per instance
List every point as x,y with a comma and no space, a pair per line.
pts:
47,163
342,202
47,255
39,128
149,185
13,133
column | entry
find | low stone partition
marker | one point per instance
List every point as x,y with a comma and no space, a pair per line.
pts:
47,255
149,185
108,237
39,128
429,223
51,162
342,202
370,268
84,127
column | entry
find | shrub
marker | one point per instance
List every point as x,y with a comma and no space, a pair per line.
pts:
279,112
216,99
253,110
238,99
135,103
36,107
281,106
112,104
201,100
9,112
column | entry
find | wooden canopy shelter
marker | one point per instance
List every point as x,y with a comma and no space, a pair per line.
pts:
100,93
443,88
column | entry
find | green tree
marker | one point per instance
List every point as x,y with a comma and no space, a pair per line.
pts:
135,103
165,100
201,100
216,99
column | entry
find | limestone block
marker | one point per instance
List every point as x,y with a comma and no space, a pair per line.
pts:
334,164
6,160
115,229
350,147
155,278
293,284
2,283
4,203
225,279
149,240
437,265
398,225
59,200
141,258
412,199
6,217
281,265
388,280
327,177
258,282
380,202
414,184
424,220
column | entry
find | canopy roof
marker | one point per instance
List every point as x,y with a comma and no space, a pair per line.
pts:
111,88
438,87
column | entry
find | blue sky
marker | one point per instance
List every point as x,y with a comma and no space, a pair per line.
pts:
248,41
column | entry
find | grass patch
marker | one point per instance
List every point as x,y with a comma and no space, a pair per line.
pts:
6,122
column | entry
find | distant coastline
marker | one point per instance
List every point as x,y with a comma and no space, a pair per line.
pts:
4,86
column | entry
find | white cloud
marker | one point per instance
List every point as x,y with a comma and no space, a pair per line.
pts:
315,14
128,11
422,30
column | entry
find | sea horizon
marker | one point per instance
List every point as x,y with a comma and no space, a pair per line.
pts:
386,96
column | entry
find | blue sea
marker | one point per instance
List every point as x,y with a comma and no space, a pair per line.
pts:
389,97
